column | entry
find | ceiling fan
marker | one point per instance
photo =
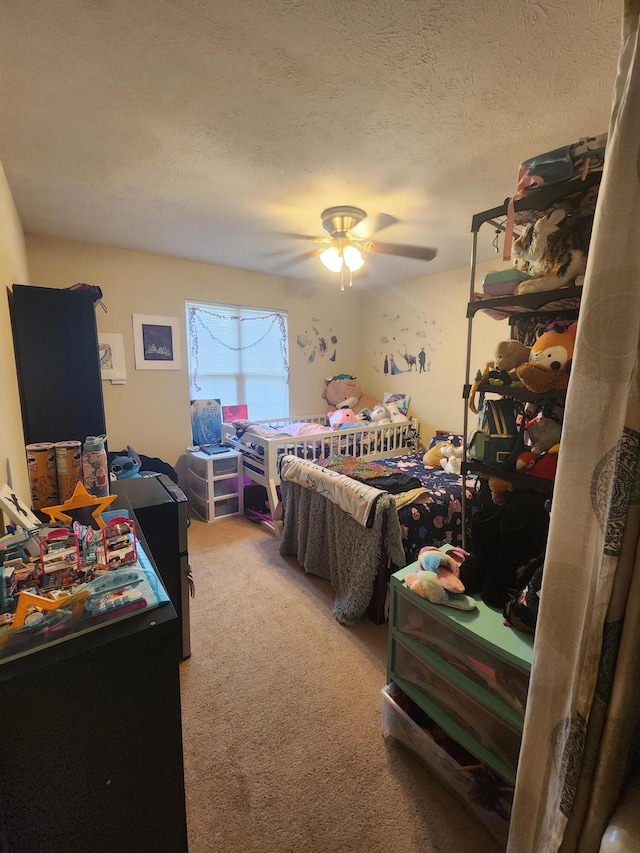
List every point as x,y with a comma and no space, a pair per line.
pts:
342,249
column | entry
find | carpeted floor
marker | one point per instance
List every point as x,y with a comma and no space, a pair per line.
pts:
283,746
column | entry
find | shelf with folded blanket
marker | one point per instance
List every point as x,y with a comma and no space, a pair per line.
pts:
469,675
564,299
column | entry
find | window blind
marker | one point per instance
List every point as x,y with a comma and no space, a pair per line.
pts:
239,354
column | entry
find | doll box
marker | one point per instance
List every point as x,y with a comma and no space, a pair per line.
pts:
504,282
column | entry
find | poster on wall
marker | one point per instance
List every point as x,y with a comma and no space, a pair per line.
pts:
206,422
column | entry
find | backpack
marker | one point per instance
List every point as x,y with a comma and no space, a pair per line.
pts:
499,439
562,165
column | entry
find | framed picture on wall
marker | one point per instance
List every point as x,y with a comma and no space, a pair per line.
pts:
156,342
111,353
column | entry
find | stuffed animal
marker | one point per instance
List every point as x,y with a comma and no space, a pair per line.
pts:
546,465
509,355
440,451
395,415
553,254
342,389
497,487
125,467
380,414
543,434
549,362
342,419
445,563
427,585
451,461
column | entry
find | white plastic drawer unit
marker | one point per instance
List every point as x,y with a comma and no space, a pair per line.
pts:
213,466
460,778
197,486
215,484
503,679
495,741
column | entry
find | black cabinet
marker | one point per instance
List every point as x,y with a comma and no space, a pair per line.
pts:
160,508
58,367
91,756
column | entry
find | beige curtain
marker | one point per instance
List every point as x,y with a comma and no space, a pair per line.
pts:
583,700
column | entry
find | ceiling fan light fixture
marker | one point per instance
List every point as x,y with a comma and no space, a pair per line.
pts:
332,259
352,258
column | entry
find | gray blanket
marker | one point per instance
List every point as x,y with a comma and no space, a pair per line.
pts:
329,543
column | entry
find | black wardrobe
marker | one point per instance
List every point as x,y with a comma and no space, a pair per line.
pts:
56,345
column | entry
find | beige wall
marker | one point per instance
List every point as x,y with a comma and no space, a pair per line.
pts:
151,412
429,312
13,270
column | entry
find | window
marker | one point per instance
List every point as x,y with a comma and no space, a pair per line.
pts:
239,355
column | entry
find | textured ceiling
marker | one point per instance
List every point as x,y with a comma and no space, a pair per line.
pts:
202,128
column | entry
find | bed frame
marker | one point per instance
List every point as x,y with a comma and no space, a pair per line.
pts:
373,441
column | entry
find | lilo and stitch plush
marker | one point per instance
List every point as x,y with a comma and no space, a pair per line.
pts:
126,467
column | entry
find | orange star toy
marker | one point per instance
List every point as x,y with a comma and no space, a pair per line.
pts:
79,499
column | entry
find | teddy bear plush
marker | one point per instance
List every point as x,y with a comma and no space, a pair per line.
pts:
441,451
509,355
343,391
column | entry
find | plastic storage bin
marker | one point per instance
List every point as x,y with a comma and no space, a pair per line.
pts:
397,723
504,282
457,712
506,682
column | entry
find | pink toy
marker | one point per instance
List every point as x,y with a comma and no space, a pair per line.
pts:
342,419
445,563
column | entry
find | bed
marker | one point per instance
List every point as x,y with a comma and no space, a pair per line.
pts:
357,553
264,443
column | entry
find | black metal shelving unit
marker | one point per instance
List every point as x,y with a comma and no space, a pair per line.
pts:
564,302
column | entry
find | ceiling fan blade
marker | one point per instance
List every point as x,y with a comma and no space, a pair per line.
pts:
374,223
291,262
419,253
303,237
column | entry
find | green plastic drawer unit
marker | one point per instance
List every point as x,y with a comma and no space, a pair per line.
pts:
505,680
493,740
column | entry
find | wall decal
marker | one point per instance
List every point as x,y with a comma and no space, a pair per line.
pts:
409,351
317,342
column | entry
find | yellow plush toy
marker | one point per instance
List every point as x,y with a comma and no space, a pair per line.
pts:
440,450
